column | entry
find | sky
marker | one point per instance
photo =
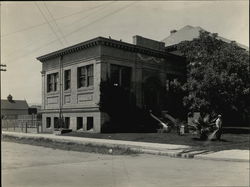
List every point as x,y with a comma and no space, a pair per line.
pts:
31,29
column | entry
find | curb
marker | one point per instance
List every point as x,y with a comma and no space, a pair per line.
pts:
163,153
138,149
201,157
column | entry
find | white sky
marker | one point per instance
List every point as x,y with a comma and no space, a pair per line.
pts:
26,34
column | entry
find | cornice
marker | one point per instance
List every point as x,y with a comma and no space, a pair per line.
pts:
105,42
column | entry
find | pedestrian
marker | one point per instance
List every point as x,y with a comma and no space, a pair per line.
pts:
218,124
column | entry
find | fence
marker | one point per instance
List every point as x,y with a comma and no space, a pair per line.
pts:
23,123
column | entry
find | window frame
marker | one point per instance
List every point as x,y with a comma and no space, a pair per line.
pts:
67,79
85,76
120,75
48,122
52,82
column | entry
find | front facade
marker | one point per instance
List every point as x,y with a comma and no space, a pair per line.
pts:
71,79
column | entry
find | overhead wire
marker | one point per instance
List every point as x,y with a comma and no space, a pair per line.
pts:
51,27
60,18
95,21
101,18
58,28
81,18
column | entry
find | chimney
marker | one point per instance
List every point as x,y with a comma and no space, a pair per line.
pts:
149,43
173,31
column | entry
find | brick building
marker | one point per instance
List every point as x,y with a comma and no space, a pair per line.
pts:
71,78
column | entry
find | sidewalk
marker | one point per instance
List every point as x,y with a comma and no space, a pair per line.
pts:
181,151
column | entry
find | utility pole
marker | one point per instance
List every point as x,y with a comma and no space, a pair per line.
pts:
2,68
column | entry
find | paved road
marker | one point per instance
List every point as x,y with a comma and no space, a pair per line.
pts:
26,165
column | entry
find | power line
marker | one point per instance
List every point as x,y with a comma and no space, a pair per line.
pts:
55,23
60,18
97,20
82,18
49,23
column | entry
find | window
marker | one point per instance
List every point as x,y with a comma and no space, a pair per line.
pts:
48,122
67,77
90,75
79,123
67,122
56,122
52,82
90,123
85,76
120,76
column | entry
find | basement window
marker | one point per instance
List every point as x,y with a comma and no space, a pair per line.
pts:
56,123
48,122
79,123
90,123
67,122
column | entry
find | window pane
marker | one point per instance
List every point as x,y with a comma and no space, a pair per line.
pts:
81,77
56,122
48,122
82,71
67,122
125,77
115,78
120,76
90,123
56,80
90,70
67,79
90,75
90,81
48,83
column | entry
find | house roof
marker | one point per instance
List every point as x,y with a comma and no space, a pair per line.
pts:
188,33
106,42
14,105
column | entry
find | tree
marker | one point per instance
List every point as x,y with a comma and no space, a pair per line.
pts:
124,116
218,79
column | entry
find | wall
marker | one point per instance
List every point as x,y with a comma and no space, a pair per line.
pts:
83,102
14,112
75,102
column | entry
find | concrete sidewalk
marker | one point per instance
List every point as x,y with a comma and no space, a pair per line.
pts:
181,151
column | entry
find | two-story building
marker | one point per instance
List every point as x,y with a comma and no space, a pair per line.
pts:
71,78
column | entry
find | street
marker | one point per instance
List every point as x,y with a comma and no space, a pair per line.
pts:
26,165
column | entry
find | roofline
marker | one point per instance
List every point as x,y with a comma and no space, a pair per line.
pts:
107,42
174,46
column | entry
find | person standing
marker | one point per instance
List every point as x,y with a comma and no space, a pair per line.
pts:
218,124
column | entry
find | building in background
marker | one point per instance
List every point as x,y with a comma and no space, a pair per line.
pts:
35,109
188,33
11,109
71,79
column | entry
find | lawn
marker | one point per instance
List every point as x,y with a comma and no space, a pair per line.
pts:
228,140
